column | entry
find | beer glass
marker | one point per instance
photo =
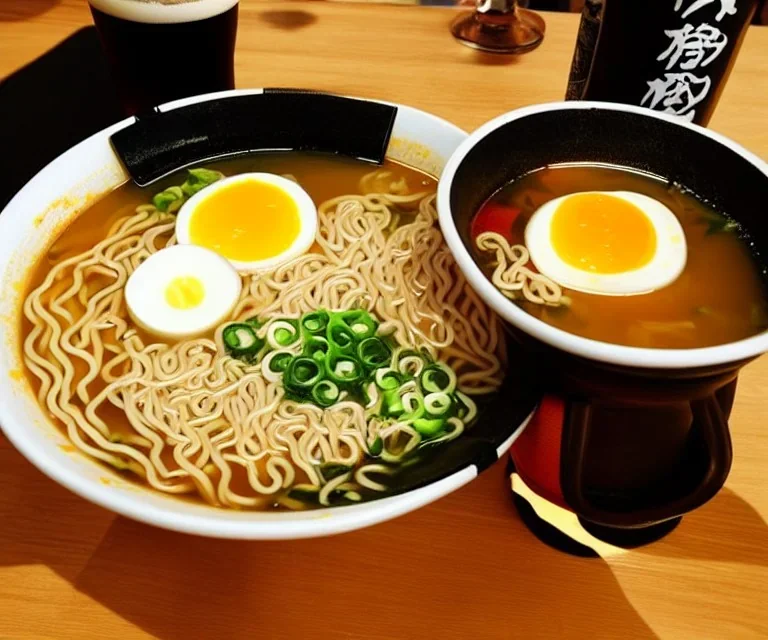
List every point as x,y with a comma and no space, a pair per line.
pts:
161,50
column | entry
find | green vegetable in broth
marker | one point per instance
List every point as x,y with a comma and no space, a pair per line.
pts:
198,179
241,341
315,323
328,357
172,198
332,470
361,323
376,446
325,393
428,427
374,353
169,200
721,226
302,374
316,347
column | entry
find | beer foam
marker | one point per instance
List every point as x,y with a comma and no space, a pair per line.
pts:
163,11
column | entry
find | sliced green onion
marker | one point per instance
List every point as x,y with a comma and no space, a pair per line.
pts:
374,353
453,429
413,405
393,403
411,365
376,446
315,323
438,405
198,179
275,363
165,199
316,347
407,361
414,439
241,341
325,393
304,492
467,409
340,336
429,427
283,334
254,322
344,370
331,470
361,323
301,374
387,379
438,378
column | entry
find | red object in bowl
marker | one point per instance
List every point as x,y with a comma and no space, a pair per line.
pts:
494,217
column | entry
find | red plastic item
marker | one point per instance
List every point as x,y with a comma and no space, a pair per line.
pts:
536,453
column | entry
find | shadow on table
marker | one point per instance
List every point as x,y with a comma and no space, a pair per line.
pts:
44,110
717,531
466,561
13,10
288,20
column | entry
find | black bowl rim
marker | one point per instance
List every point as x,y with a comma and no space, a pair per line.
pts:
562,340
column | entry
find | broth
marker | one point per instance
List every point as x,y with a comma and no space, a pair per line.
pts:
241,454
719,297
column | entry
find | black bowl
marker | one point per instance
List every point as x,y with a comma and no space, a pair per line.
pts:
644,434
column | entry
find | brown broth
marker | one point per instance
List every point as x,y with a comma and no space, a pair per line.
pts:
322,176
720,297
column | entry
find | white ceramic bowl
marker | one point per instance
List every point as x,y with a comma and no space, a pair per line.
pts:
27,226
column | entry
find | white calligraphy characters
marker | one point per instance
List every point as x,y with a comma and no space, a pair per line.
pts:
727,7
689,49
693,45
677,93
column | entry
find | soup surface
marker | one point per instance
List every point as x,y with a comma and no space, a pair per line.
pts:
328,373
718,297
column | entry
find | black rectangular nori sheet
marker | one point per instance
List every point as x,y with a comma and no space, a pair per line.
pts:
278,119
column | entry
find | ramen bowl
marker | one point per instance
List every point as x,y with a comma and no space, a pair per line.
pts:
628,437
183,134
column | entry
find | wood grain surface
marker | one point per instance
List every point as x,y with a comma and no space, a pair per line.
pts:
465,567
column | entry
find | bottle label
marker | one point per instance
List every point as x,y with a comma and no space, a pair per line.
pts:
673,56
685,81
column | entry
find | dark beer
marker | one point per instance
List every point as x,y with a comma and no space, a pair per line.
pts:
161,51
669,55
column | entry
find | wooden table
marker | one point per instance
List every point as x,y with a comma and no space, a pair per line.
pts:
465,567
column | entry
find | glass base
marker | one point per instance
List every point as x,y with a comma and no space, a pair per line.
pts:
518,31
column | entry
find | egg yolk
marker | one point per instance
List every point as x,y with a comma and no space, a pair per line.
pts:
600,233
184,292
246,221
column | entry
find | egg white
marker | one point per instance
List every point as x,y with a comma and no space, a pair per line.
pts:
305,207
145,291
666,265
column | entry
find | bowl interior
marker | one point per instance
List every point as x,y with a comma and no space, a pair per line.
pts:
49,202
713,171
716,170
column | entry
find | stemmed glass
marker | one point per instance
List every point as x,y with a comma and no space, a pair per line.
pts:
499,26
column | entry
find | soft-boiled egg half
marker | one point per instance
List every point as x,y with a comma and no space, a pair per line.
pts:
257,221
182,291
607,242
